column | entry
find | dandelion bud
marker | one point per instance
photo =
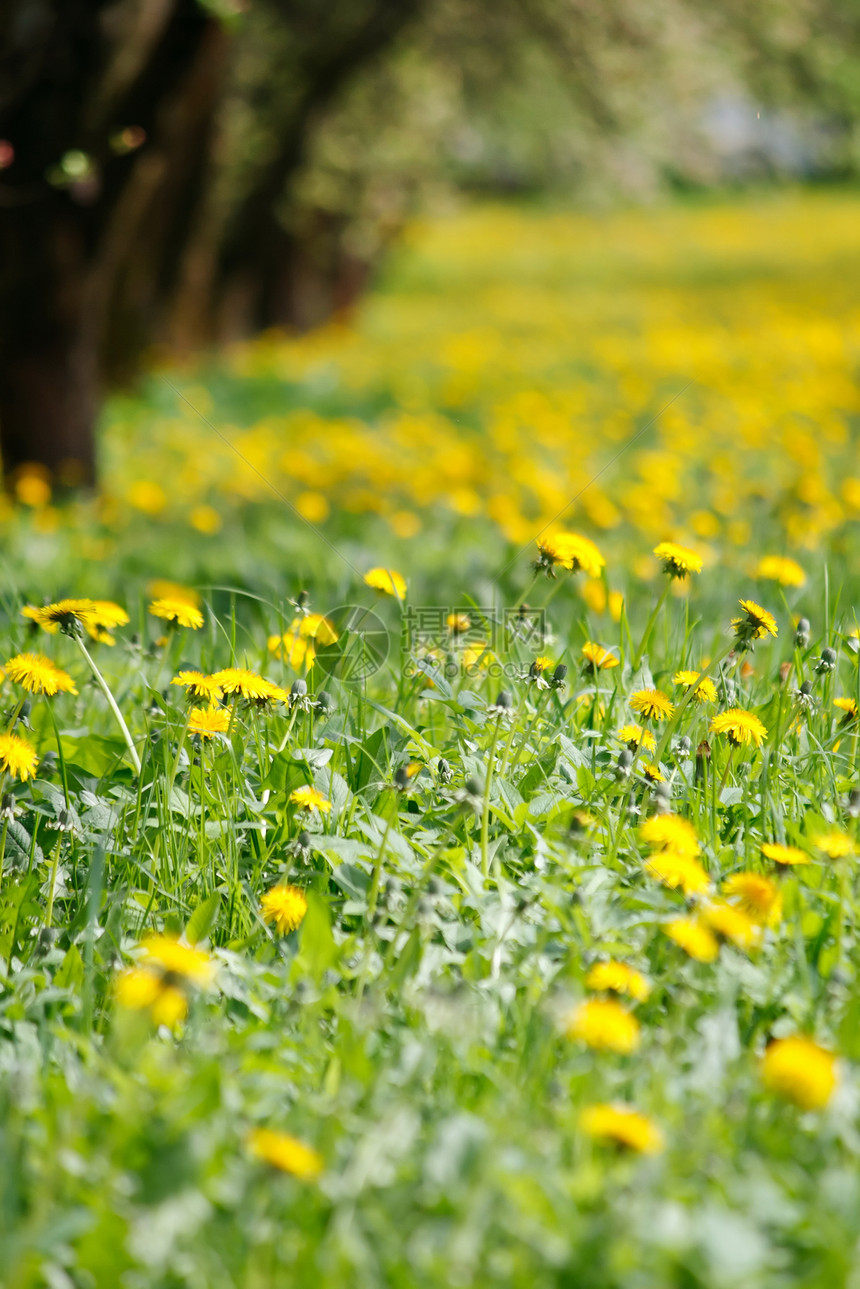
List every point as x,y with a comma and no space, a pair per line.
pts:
684,746
445,772
505,700
401,778
559,674
806,688
827,662
854,802
801,633
474,787
298,689
24,713
325,702
625,761
304,840
302,600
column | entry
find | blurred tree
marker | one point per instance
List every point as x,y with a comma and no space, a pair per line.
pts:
100,106
109,136
185,171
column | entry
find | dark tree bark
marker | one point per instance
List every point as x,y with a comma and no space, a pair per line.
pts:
111,107
262,270
75,75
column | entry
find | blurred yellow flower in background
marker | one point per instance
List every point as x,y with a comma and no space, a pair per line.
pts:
286,1153
619,978
799,1070
622,1125
604,1024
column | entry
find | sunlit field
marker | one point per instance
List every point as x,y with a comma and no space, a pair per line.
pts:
429,781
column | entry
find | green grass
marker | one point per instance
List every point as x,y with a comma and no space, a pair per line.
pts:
473,867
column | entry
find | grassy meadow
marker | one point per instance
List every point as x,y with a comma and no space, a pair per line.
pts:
429,782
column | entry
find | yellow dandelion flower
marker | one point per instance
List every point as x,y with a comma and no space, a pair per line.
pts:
622,1125
140,989
634,736
387,581
314,626
779,568
799,1070
298,645
458,623
179,960
756,895
66,615
740,727
107,616
706,690
477,655
206,722
597,658
618,978
161,588
678,561
756,624
198,685
788,856
605,1025
247,684
653,773
136,988
293,649
732,923
39,675
543,664
835,843
678,871
178,611
288,1154
17,757
594,594
170,1007
571,551
694,938
670,832
307,798
653,704
848,706
285,906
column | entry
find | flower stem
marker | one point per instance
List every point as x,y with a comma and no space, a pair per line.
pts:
485,815
3,846
54,865
111,701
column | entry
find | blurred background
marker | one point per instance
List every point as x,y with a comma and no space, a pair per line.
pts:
454,224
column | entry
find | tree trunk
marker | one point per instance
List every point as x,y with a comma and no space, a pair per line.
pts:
78,76
49,397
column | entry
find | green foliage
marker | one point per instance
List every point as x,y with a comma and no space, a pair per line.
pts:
411,1020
